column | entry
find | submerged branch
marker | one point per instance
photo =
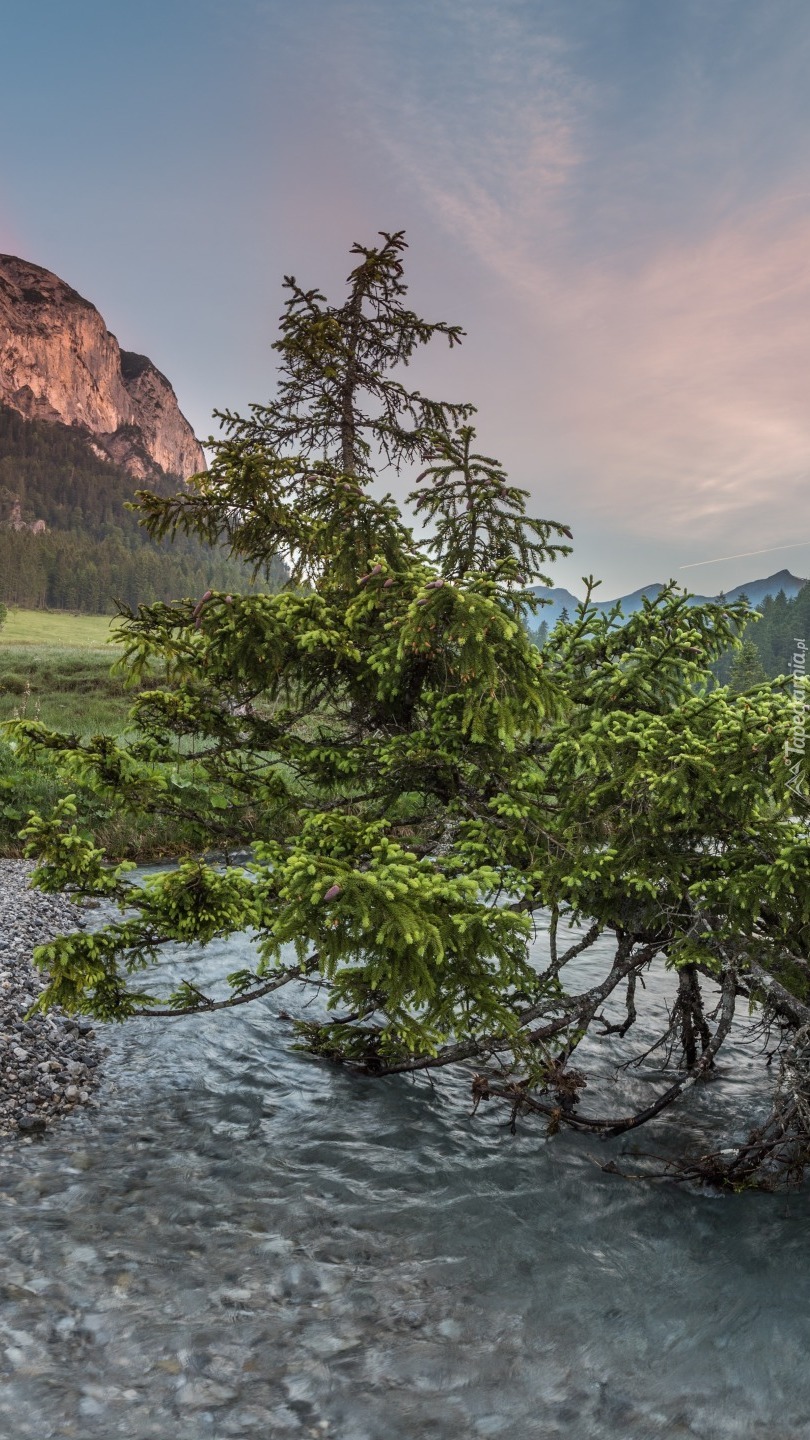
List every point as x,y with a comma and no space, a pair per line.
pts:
284,977
517,1093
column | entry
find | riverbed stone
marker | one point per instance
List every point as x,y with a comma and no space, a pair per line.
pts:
49,1064
202,1393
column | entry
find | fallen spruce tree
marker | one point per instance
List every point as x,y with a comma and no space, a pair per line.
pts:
424,792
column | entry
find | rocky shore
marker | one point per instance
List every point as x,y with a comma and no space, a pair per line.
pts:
49,1064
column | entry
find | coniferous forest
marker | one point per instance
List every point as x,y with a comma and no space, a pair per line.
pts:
93,550
768,646
783,622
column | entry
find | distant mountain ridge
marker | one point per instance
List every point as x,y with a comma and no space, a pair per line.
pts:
755,590
60,364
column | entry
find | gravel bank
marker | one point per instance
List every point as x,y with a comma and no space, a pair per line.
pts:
50,1064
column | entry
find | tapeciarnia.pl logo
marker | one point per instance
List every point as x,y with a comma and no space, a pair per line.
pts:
797,743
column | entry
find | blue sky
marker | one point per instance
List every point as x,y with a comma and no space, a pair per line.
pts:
611,196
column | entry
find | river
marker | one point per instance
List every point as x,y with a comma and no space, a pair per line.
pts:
245,1242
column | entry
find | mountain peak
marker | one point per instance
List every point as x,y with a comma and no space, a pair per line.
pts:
758,590
59,362
783,576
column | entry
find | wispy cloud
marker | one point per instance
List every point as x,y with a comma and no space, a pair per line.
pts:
494,142
671,371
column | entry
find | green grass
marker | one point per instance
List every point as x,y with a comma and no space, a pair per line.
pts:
38,785
56,627
68,687
56,668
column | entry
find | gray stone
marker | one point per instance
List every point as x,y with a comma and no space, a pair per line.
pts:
46,1068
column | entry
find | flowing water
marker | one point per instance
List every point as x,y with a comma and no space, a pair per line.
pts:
245,1242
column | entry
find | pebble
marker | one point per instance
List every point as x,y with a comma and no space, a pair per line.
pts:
49,1064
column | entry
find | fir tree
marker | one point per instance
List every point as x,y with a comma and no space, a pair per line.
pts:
422,786
541,634
747,669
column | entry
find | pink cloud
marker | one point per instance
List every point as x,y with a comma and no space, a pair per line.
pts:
670,387
683,383
664,383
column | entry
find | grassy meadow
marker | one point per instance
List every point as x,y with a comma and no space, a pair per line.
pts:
55,667
56,628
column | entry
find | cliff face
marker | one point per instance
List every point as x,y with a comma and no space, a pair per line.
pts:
58,361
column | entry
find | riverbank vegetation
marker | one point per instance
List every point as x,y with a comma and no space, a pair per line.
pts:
50,673
426,792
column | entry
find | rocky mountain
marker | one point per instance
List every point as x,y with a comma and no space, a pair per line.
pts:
756,591
60,363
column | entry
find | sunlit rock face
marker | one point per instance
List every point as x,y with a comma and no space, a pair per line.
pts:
59,362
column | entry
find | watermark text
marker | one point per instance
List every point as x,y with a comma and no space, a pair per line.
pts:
796,745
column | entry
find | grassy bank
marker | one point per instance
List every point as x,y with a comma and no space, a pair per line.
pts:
25,787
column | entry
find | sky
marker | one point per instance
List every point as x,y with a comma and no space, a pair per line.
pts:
612,197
